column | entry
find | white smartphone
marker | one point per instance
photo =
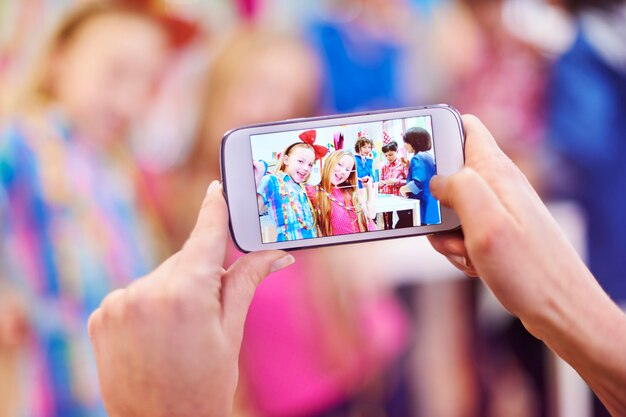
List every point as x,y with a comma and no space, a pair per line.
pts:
340,179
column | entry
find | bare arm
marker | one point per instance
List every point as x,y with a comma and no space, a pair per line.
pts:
259,172
512,242
370,204
261,203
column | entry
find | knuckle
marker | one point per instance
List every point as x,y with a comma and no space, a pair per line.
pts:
180,303
252,268
113,308
112,300
140,302
494,236
201,272
94,324
190,301
497,170
459,182
251,276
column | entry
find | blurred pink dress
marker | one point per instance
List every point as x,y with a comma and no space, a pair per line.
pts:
285,367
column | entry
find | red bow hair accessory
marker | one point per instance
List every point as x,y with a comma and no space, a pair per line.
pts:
308,137
180,31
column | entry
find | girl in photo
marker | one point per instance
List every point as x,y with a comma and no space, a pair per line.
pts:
74,223
260,76
340,207
421,170
283,194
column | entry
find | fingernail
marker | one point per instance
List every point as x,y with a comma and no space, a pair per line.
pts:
214,185
458,259
282,263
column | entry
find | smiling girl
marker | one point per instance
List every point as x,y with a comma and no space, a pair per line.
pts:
284,194
73,221
340,208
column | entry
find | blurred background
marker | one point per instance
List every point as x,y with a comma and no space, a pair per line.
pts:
111,113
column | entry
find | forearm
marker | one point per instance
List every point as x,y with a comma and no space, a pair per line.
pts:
261,203
371,204
9,381
586,329
414,186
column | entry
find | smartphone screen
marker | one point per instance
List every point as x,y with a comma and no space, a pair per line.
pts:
345,179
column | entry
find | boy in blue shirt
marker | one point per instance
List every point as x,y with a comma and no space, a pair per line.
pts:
364,162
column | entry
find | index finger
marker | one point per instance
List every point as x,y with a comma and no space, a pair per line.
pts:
479,142
205,249
482,215
483,155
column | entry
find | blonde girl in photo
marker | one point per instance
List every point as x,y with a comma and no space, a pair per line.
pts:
341,210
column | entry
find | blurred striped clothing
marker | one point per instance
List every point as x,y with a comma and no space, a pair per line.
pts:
71,231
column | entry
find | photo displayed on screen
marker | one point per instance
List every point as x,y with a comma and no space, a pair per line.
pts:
345,179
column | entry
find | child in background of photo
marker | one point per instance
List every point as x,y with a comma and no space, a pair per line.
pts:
394,172
73,221
284,194
340,208
364,161
259,76
421,170
393,177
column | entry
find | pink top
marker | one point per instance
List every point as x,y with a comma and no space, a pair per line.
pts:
296,360
344,217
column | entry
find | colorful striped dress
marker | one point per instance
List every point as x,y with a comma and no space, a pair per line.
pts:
71,231
288,206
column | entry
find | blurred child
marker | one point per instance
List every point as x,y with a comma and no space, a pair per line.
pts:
303,351
284,195
393,177
279,82
364,161
340,209
72,226
421,169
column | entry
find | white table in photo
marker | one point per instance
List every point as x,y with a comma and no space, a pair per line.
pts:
389,202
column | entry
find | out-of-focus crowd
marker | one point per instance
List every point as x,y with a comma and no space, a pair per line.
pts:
111,115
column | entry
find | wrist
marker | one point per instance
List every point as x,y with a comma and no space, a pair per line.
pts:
590,336
581,324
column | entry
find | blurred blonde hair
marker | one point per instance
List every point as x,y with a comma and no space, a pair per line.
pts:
348,190
38,90
236,57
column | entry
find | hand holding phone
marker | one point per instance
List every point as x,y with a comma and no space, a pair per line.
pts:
312,193
170,318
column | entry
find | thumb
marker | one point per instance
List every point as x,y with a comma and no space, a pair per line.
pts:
240,282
